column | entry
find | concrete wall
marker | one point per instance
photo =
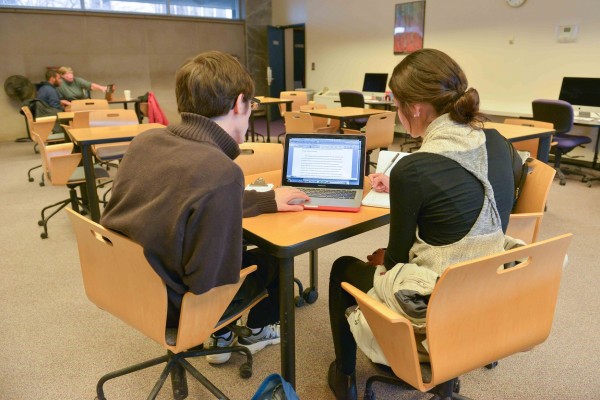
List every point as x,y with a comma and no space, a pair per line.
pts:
134,52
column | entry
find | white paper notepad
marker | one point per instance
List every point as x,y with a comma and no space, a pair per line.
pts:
385,163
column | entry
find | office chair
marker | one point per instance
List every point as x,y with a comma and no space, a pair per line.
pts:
353,98
560,114
526,217
119,280
61,169
379,131
461,339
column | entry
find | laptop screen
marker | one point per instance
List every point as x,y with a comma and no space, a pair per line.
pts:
332,161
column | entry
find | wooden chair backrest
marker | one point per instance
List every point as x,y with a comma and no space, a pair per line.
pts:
533,197
380,130
89,104
119,280
298,122
478,313
534,193
112,117
530,145
524,226
28,115
299,97
258,157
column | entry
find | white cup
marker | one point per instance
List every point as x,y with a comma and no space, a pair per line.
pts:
127,94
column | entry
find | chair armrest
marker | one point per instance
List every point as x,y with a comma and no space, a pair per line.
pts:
50,118
61,149
43,128
63,167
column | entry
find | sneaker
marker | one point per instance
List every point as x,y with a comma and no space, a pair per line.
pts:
257,341
226,340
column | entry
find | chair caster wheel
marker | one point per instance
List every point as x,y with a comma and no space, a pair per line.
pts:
40,223
492,365
42,184
44,235
562,183
30,179
245,370
310,295
369,395
456,388
299,301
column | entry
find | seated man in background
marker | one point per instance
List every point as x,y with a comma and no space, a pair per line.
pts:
47,92
75,88
179,195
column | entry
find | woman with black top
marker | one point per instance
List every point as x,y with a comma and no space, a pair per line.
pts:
449,202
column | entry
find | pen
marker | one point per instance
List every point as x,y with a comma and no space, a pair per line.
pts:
391,163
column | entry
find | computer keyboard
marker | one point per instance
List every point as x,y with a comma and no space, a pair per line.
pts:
329,193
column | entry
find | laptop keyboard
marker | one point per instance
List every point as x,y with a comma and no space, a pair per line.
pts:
329,193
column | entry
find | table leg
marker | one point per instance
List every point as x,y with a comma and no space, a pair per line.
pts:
544,148
595,160
268,123
287,320
90,183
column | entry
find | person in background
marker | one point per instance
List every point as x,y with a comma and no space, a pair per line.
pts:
75,88
179,195
47,92
444,206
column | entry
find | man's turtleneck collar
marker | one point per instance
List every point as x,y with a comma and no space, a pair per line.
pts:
201,129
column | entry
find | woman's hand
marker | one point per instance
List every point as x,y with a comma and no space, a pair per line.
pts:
376,258
380,182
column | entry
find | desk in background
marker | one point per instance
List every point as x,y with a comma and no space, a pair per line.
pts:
268,102
344,113
516,133
311,231
86,137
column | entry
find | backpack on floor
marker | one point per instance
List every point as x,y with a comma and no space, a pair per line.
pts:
274,387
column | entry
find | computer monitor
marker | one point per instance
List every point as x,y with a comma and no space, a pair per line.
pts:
374,83
583,94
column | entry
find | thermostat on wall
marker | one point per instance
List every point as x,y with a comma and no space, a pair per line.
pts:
566,33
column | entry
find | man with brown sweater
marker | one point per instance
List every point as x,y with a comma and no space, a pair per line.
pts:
179,195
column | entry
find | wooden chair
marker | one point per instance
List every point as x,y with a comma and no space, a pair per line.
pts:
472,317
299,99
320,123
61,168
112,117
530,145
257,158
301,122
43,126
526,218
119,280
379,131
89,104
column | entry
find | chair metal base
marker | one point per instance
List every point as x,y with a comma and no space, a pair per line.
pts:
445,391
176,367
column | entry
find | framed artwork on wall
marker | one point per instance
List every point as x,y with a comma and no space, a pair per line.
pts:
409,27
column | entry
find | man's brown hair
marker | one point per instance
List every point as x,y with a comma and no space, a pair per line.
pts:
209,84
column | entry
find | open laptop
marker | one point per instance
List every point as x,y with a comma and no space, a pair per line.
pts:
330,168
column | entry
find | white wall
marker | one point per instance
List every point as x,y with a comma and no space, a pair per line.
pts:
345,39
